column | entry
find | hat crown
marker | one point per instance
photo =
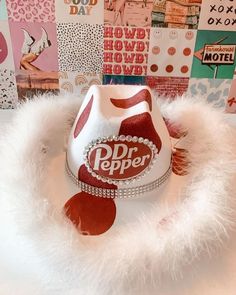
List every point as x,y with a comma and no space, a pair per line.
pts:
119,137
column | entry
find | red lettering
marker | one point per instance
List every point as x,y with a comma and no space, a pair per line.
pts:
145,70
108,32
141,33
108,57
107,69
118,57
129,46
117,69
118,32
129,58
108,44
129,34
140,46
120,160
128,70
118,45
138,70
139,58
146,56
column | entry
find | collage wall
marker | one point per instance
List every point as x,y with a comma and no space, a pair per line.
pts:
174,46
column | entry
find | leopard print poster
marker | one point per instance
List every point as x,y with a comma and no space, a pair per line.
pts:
8,91
80,47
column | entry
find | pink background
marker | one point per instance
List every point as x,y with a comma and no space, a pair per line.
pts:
31,10
47,61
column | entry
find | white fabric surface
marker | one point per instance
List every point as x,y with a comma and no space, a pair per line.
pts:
216,276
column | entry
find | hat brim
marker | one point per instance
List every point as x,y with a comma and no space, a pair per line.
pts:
31,212
128,210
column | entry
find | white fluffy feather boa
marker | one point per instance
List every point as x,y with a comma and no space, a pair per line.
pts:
41,251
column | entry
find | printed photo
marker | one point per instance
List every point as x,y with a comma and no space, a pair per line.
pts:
34,46
214,55
30,83
214,91
171,52
78,83
123,80
170,87
182,14
35,58
128,13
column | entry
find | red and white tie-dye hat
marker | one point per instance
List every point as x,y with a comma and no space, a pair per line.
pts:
118,160
112,172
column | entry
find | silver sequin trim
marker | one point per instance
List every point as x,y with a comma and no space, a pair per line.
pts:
119,193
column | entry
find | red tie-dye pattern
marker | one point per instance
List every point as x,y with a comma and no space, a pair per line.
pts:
175,131
86,177
83,118
180,162
91,215
143,95
141,125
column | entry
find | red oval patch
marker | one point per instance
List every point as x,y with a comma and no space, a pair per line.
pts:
120,160
91,215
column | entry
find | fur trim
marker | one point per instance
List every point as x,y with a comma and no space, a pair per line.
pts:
40,244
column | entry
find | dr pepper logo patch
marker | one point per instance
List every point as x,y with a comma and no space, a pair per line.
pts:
120,159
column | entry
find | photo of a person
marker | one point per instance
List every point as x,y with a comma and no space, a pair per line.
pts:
35,57
128,13
115,12
31,49
119,10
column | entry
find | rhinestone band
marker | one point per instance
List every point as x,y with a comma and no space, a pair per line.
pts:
119,193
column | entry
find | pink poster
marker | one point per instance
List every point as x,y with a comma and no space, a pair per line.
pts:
34,46
31,11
